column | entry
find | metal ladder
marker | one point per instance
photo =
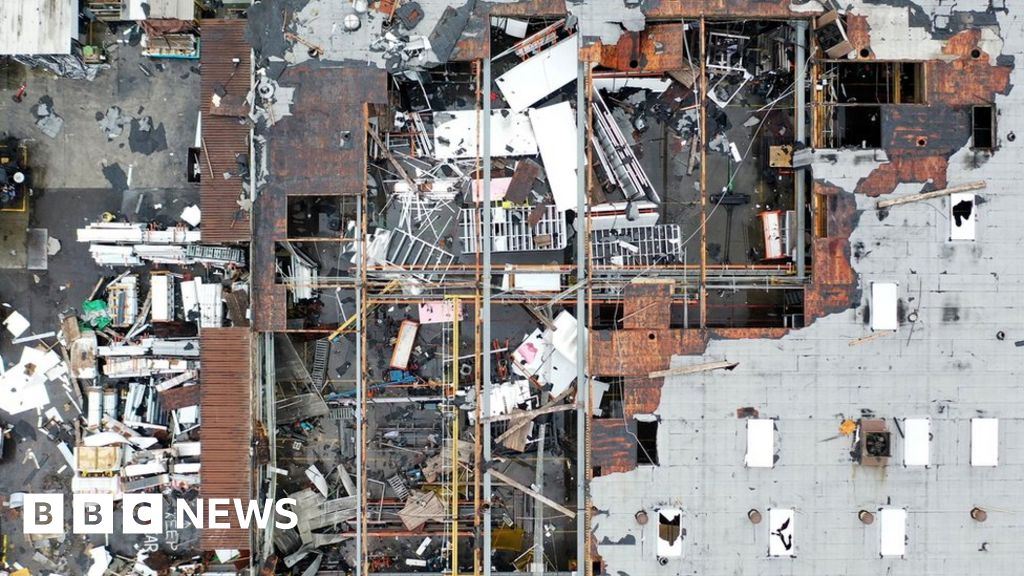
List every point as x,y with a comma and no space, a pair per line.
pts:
219,253
321,354
343,413
398,485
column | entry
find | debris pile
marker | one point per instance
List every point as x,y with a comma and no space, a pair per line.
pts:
127,364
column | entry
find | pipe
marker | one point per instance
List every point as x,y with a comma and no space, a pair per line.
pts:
467,269
800,127
582,385
269,382
486,312
702,286
360,396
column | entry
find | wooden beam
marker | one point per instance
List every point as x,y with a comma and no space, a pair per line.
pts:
870,337
530,414
518,425
533,494
206,155
694,368
929,195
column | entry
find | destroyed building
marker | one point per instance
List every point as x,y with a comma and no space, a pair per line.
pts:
577,287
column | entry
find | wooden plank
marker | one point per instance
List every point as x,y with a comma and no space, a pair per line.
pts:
929,195
531,414
403,344
533,494
518,425
694,368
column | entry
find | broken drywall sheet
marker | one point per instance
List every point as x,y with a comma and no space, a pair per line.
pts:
47,119
24,384
438,312
550,355
537,77
16,324
455,134
101,560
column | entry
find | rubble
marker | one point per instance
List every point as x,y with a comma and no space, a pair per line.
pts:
443,255
127,363
47,120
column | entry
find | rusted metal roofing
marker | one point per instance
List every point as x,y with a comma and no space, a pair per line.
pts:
666,9
637,353
225,131
318,150
613,449
530,8
180,397
269,299
656,48
647,304
225,409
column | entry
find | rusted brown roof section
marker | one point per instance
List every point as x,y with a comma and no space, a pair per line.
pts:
647,304
637,353
532,8
180,397
833,286
858,30
320,149
644,344
658,9
225,410
269,299
656,48
919,139
224,136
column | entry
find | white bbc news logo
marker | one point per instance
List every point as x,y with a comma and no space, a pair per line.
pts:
144,513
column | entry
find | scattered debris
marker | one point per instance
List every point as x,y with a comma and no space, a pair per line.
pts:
145,138
112,122
47,120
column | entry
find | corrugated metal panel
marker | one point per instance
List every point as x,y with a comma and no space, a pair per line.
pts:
29,27
225,410
224,137
180,397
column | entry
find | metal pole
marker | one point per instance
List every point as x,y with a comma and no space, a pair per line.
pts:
582,385
360,397
450,402
702,288
269,382
485,371
800,126
538,510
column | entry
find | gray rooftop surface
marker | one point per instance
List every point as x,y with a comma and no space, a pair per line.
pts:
947,366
